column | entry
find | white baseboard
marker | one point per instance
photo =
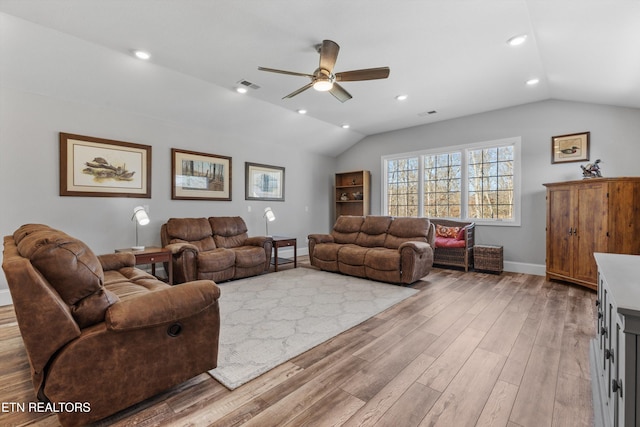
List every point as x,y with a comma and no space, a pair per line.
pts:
526,268
5,297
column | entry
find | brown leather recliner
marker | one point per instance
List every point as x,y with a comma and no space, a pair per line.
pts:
217,248
99,333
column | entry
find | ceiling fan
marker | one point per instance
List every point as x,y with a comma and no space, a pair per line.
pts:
324,80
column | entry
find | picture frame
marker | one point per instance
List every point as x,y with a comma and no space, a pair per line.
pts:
263,182
573,147
98,167
200,176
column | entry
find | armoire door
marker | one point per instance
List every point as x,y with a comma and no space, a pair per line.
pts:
560,210
590,230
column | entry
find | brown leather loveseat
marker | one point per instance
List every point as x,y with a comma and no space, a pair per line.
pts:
215,248
99,333
383,248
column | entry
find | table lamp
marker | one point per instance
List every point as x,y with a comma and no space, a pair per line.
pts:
269,216
141,217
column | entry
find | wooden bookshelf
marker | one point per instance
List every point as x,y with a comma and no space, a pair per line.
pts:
352,193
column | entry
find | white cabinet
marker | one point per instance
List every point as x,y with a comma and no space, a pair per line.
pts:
614,350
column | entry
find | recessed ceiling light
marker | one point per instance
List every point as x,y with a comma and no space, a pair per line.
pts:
141,54
401,97
302,111
517,40
241,89
345,126
533,82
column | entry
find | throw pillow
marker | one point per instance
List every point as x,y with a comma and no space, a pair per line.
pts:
444,231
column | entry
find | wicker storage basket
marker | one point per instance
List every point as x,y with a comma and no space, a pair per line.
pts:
488,258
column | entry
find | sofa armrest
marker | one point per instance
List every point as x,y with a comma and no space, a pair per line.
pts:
177,248
163,306
321,238
117,260
416,246
259,241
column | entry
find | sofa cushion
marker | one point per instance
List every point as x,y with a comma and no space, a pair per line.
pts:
228,231
462,233
347,228
250,256
352,254
196,231
373,231
406,229
216,260
447,242
382,259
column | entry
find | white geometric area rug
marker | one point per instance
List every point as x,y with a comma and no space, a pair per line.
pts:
266,320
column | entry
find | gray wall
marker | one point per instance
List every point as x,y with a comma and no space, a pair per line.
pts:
615,138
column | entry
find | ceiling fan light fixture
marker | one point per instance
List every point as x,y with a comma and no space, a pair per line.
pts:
322,85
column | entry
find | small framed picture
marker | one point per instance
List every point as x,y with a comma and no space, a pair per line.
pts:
570,148
264,182
98,167
200,176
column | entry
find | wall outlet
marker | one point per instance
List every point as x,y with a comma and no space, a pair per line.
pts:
248,208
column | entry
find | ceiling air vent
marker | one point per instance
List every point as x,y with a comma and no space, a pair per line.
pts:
248,84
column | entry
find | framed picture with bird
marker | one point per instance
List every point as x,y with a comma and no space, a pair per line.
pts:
98,167
572,147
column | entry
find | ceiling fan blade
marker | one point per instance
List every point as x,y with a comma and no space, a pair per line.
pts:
302,89
339,92
366,74
291,73
328,55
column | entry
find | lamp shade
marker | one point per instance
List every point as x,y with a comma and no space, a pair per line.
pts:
268,213
140,215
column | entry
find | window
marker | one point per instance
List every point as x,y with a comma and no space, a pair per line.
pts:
477,182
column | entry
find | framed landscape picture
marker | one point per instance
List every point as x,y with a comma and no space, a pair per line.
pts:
97,167
200,176
570,148
263,182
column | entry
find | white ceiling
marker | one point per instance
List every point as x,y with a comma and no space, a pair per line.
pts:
450,56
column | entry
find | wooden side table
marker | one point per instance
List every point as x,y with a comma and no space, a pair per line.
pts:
152,255
283,242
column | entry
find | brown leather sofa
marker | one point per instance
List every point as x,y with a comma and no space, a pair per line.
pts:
99,333
387,249
215,248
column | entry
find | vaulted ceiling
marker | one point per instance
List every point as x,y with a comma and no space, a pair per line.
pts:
450,57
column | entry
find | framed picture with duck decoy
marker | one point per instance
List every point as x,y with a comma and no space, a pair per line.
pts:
573,147
98,167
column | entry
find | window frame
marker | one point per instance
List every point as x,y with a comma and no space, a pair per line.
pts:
464,149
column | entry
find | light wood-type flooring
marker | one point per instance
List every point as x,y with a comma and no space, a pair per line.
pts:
470,349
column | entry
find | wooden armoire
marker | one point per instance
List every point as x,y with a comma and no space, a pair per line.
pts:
587,216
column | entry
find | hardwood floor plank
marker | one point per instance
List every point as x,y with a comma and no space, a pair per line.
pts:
572,406
445,368
377,406
333,410
464,399
497,409
410,409
534,404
